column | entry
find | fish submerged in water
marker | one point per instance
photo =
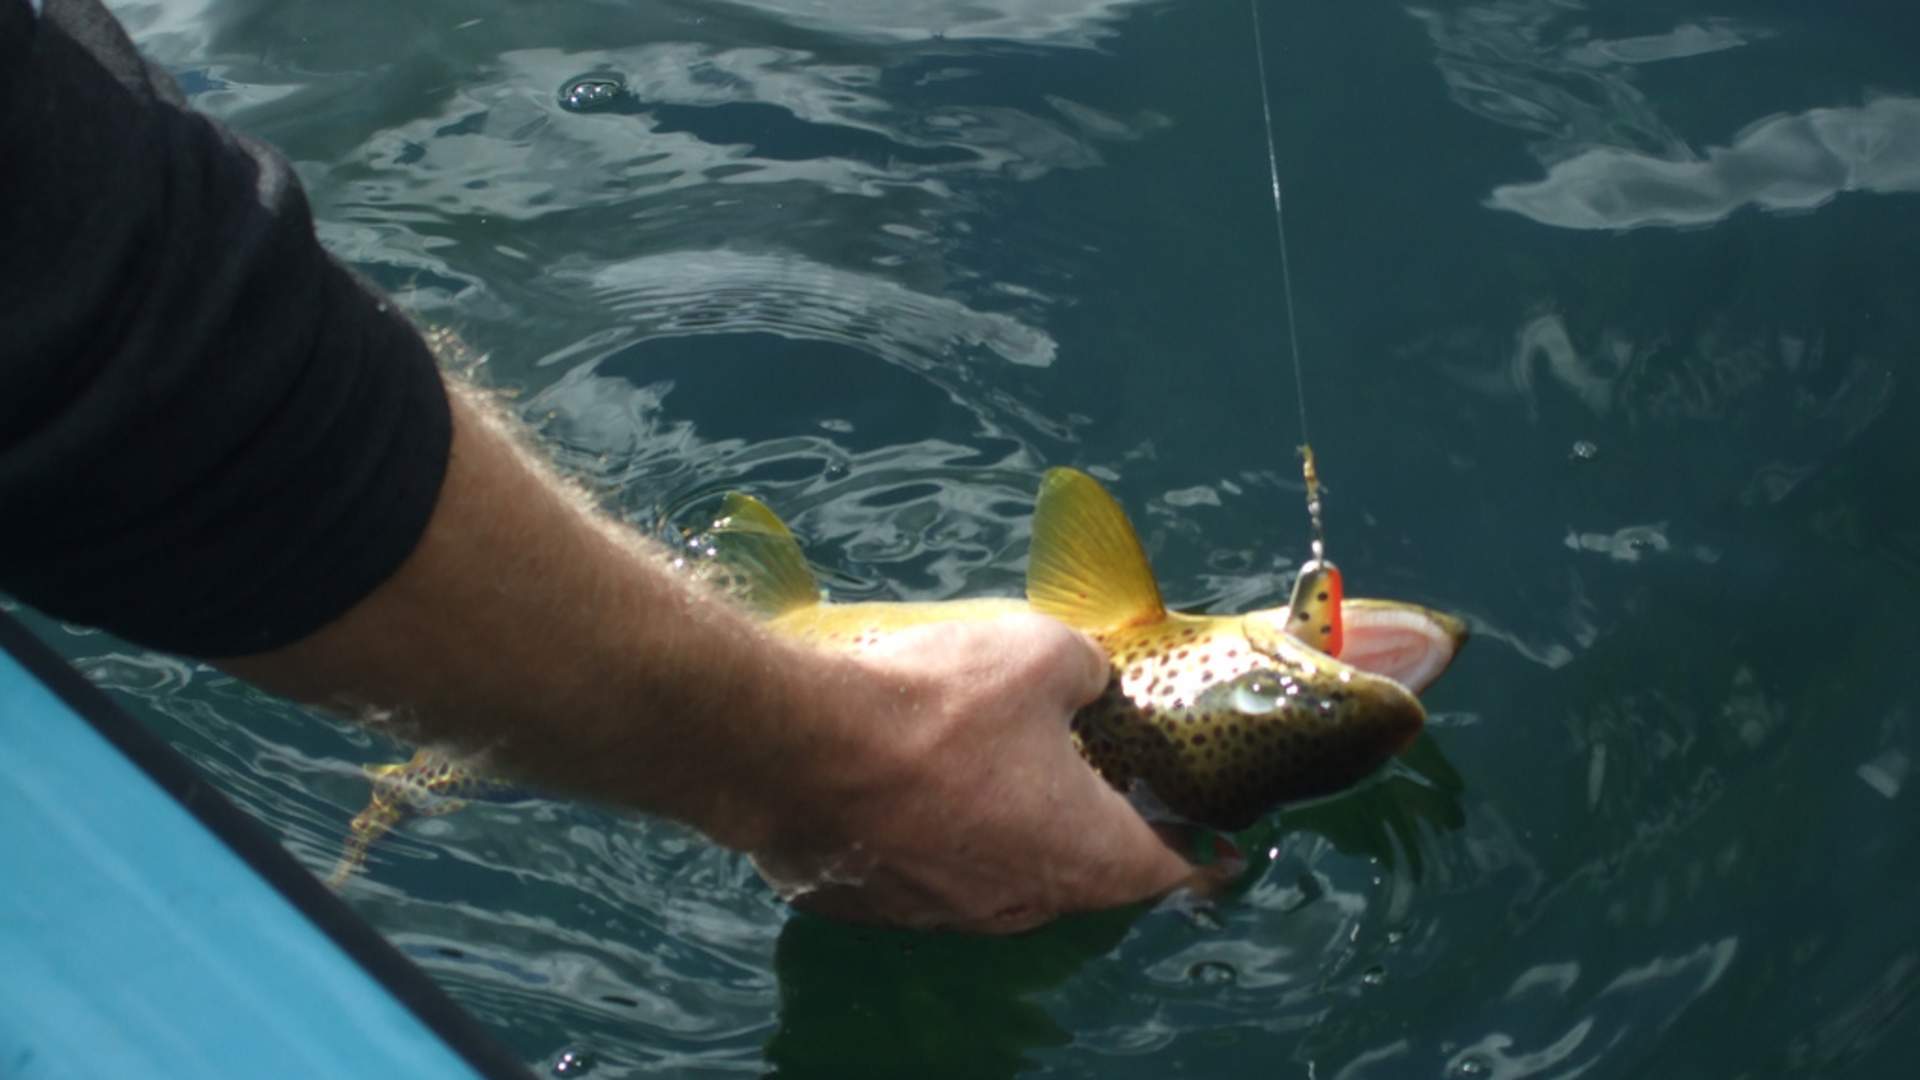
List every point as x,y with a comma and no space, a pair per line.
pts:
1216,718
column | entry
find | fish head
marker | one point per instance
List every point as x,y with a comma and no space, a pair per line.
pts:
1241,718
1309,724
1225,718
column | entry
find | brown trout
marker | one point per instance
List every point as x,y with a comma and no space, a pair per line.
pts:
1215,718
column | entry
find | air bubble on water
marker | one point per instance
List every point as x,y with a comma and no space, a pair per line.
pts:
1585,450
1469,1067
592,93
573,1063
1373,976
1395,937
1212,973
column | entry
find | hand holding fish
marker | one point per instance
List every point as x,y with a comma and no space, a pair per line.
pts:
973,809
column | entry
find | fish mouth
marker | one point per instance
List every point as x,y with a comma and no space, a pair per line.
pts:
1408,643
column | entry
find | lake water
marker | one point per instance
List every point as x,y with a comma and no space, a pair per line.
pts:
1606,311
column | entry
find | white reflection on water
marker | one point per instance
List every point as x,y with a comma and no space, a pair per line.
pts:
1557,978
1050,22
1613,162
728,291
1627,544
1795,162
1490,1058
1533,65
1657,992
1542,342
1886,773
505,147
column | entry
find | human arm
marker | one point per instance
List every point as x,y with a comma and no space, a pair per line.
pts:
929,783
229,447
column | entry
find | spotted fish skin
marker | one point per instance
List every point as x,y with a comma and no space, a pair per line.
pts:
1222,732
1222,718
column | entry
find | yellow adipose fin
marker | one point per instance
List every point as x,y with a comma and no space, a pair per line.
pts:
760,561
1087,568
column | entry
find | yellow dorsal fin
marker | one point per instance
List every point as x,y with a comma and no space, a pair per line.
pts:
1088,569
759,561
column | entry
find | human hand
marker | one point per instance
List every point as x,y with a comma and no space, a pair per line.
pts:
960,801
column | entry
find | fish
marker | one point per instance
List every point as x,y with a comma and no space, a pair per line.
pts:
1214,720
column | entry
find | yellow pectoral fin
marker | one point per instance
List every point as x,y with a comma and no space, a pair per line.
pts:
1088,569
758,559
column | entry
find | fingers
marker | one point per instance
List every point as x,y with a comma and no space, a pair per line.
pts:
1220,862
1134,861
1000,825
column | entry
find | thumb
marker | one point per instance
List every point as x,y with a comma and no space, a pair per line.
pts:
1071,667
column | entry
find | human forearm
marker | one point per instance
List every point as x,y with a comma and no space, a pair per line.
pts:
529,627
930,781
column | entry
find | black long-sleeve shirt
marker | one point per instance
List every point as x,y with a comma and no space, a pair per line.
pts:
213,438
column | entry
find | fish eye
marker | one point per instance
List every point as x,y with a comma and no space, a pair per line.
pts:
1258,692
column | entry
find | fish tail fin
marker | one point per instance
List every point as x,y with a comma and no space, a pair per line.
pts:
418,787
757,560
376,820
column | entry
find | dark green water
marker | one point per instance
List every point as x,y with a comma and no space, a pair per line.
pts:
1608,315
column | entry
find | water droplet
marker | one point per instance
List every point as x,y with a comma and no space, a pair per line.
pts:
1395,937
1469,1067
1212,973
592,93
837,470
1585,450
573,1062
1373,976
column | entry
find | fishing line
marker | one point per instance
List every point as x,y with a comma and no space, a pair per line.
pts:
1286,289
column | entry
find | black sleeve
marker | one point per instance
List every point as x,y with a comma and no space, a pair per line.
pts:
213,438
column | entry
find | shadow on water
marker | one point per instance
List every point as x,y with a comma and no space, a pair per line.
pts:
864,1002
1392,819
